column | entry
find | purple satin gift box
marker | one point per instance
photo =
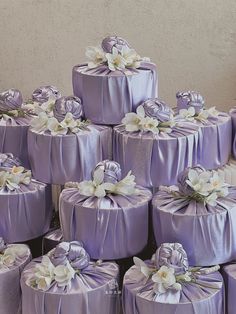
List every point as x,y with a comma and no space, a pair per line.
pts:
92,287
233,117
10,292
229,275
151,288
69,157
202,224
25,213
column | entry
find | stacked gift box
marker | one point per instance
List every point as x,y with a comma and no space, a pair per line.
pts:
144,193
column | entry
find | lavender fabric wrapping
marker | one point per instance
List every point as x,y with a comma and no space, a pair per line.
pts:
25,213
68,157
233,118
90,292
215,141
156,159
10,292
138,297
107,96
206,232
13,138
51,239
112,227
229,275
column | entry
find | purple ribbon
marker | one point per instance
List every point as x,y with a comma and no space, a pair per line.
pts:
190,99
44,93
184,188
67,104
11,99
112,171
155,108
114,41
7,160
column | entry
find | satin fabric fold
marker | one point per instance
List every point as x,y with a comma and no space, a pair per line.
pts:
25,213
10,292
233,118
112,227
215,141
206,232
138,296
107,96
229,275
90,293
156,159
13,138
69,157
51,239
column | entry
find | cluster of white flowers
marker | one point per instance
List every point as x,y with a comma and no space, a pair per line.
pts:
45,273
43,122
190,114
208,186
10,255
140,122
11,179
117,60
36,108
97,187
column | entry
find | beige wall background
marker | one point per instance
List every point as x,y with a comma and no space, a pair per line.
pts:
193,42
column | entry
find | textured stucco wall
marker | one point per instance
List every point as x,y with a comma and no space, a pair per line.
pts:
193,42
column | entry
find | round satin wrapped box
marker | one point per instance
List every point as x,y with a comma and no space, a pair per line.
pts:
199,213
154,145
25,205
106,213
229,275
228,171
13,258
68,147
215,135
14,123
233,117
168,285
109,89
66,281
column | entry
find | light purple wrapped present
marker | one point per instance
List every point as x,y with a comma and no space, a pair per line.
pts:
14,258
14,124
215,136
199,213
107,95
74,284
233,117
107,217
229,275
25,209
155,157
51,239
67,146
166,284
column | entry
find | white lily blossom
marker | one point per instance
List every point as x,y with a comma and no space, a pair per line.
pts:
40,123
143,268
187,114
64,274
115,60
132,59
44,274
190,114
11,253
96,56
56,128
165,279
11,179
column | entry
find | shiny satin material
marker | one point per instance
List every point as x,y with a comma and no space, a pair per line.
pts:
44,93
13,137
138,297
69,157
90,293
190,99
157,109
228,172
229,275
112,227
233,117
25,213
206,232
114,41
111,170
107,96
156,159
51,239
8,161
67,104
215,140
10,99
10,292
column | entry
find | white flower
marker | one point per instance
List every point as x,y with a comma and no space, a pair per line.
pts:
96,187
132,120
64,274
96,55
187,114
18,250
165,279
43,283
17,170
203,115
213,112
70,123
40,122
8,260
115,60
56,128
199,182
47,107
149,124
3,178
211,199
132,59
126,186
44,273
143,268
